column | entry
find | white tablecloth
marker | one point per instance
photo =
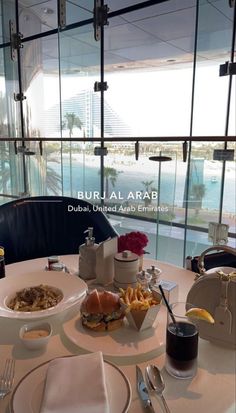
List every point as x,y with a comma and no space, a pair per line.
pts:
212,390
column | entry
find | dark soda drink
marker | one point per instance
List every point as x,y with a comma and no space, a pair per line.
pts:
181,349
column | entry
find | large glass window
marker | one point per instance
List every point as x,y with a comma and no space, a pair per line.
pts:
143,56
161,66
213,48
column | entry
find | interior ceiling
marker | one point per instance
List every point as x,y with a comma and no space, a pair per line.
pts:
159,35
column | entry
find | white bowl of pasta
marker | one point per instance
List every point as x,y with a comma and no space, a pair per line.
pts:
35,335
39,294
36,298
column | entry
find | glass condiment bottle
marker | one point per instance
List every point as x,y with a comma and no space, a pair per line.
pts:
57,266
53,259
155,273
144,278
87,256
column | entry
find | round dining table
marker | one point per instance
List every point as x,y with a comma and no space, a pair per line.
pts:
212,390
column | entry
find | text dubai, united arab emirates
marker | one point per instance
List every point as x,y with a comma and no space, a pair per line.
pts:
134,196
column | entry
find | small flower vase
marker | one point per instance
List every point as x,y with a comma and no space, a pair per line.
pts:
140,263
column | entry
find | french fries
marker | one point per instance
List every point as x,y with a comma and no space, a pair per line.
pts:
137,298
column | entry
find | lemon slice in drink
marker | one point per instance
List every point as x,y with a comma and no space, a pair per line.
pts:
200,314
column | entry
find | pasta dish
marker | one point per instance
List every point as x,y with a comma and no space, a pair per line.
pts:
35,298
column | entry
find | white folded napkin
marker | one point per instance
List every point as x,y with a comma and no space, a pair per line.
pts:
75,385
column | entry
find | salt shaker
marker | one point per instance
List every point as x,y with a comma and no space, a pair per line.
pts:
144,278
155,273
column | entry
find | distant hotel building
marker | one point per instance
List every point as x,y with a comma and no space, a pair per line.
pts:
85,105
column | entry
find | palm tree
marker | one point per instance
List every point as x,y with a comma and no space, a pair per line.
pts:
148,189
198,193
110,175
71,121
44,180
53,181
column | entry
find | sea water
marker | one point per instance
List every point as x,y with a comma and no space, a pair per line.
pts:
172,185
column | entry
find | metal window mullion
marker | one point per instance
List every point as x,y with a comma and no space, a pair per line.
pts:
25,175
163,139
61,13
135,7
60,108
102,107
227,115
190,132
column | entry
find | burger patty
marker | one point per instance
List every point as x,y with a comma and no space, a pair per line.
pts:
98,318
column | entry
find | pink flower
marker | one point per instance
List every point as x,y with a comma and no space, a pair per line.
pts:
133,241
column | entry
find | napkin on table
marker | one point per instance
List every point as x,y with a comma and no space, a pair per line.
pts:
75,385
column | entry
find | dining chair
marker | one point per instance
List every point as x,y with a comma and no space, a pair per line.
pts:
41,226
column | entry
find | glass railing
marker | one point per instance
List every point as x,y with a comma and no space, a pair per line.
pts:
139,194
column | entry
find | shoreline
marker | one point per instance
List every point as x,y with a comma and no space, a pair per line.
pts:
173,174
126,162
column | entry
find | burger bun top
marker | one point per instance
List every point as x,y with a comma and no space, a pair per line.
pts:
101,302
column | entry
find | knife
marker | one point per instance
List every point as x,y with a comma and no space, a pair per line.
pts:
143,391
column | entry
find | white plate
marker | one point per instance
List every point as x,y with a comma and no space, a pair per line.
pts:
125,341
27,395
73,289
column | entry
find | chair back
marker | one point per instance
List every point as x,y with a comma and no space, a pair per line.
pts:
48,225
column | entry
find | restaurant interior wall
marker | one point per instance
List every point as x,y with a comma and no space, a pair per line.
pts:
160,61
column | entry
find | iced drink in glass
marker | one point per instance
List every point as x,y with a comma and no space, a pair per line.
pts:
181,344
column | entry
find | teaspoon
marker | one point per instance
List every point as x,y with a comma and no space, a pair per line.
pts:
156,383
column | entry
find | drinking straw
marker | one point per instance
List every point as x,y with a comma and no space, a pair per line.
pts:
167,305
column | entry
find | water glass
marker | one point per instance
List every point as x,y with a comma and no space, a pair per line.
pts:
181,343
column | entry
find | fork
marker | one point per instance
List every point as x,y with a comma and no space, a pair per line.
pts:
7,378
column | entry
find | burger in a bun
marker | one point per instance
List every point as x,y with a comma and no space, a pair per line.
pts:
101,311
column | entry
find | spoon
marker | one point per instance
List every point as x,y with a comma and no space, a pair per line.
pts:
156,383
